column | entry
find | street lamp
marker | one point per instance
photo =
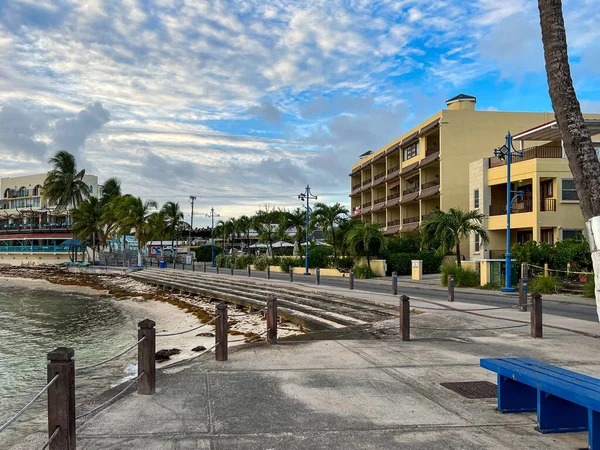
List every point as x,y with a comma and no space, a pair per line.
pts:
212,216
192,199
506,152
307,195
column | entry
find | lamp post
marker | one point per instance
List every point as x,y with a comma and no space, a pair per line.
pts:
212,235
307,195
506,152
192,199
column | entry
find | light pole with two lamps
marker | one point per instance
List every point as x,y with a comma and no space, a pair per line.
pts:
307,195
212,216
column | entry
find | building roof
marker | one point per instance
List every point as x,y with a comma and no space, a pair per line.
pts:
550,132
461,97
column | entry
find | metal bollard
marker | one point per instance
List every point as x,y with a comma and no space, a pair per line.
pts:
232,267
150,262
268,272
221,352
450,288
351,280
405,318
249,270
394,283
61,398
523,295
291,274
182,266
204,267
318,273
174,264
147,357
536,315
193,267
217,270
272,319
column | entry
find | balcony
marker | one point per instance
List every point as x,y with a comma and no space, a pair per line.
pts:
410,191
432,151
410,220
378,176
366,205
393,196
427,216
393,223
379,200
543,151
393,169
430,184
517,208
366,182
548,204
356,186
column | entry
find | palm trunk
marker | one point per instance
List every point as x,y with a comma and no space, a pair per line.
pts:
368,260
583,160
458,253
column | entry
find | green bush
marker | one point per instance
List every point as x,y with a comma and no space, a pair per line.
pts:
320,256
401,262
204,253
407,243
363,272
589,289
462,277
223,261
241,262
573,251
545,285
345,264
260,262
491,286
286,263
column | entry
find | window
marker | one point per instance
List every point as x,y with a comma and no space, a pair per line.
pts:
568,190
477,243
476,198
573,234
411,151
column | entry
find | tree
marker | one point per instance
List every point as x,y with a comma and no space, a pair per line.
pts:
133,216
158,228
265,224
244,226
87,226
64,185
445,230
363,236
110,189
233,230
327,217
173,217
577,142
295,219
223,229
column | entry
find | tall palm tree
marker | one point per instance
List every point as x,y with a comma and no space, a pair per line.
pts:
445,230
158,228
295,219
223,229
233,228
64,185
133,215
244,226
363,236
87,217
327,217
583,160
110,189
265,223
173,216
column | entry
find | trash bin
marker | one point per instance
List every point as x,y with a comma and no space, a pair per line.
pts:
162,264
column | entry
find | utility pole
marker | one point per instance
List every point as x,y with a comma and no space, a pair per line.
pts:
307,195
192,198
212,235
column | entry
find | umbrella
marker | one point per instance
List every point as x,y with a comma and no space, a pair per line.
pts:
258,245
281,244
318,243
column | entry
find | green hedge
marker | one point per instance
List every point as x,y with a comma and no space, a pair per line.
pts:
286,263
204,253
401,262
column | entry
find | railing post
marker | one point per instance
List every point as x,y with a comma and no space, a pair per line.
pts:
524,271
291,274
272,319
221,352
523,295
405,318
268,272
318,275
394,283
536,315
351,280
546,271
147,357
232,267
450,288
249,270
61,398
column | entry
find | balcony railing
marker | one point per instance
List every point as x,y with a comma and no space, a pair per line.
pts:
393,169
393,196
431,151
410,191
410,220
378,176
34,249
366,205
426,216
430,184
356,186
517,208
393,223
548,204
543,151
379,200
367,182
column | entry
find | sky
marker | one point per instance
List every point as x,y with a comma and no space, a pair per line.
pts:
243,103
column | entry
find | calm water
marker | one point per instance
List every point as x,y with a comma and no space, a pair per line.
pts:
35,319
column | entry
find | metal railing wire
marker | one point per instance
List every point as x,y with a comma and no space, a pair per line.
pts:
49,441
187,331
28,405
78,369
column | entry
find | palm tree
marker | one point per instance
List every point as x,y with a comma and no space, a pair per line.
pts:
244,225
295,219
583,160
445,230
233,229
223,228
158,228
87,222
363,236
173,216
133,216
265,224
110,189
327,217
64,185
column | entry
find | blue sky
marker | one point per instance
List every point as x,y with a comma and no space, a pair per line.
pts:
242,103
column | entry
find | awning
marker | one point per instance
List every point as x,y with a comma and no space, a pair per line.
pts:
392,149
410,226
409,139
378,157
393,174
429,192
391,230
429,159
429,127
377,181
393,202
365,164
409,198
355,170
409,168
394,183
550,132
378,207
365,211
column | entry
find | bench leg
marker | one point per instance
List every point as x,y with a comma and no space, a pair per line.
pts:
515,397
594,429
556,415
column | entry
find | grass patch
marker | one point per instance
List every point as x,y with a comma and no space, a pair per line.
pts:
363,272
545,285
491,286
589,289
462,277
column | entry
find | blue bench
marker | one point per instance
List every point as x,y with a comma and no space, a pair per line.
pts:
565,401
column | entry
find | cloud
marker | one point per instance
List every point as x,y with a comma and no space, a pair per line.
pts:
70,134
267,111
19,132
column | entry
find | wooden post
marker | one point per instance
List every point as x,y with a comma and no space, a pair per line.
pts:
318,275
405,318
193,267
450,288
147,357
351,280
249,270
394,283
232,267
568,269
291,274
546,271
221,352
268,272
525,271
204,266
536,315
61,398
523,295
272,319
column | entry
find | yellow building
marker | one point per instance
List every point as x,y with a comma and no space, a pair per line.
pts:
545,207
427,168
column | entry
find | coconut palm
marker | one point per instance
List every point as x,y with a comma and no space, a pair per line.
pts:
87,222
233,228
158,228
173,217
295,219
110,189
445,230
327,218
244,226
133,216
265,224
223,230
363,236
64,185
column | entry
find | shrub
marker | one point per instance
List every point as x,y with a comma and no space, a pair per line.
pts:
363,272
320,256
260,262
589,289
241,262
286,263
204,253
345,263
223,261
491,286
545,285
401,262
573,251
462,277
407,243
